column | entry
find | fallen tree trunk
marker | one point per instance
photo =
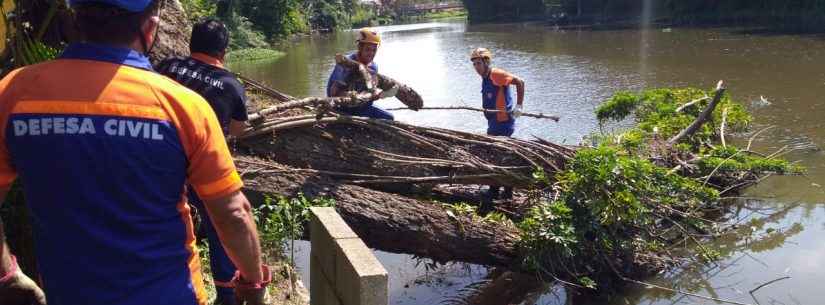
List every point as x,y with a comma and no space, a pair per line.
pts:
387,221
387,152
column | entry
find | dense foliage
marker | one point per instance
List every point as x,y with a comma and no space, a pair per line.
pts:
255,23
623,203
807,14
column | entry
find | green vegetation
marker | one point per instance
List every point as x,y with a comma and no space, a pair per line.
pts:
258,23
656,113
253,54
662,113
282,220
620,206
612,207
804,14
447,15
464,209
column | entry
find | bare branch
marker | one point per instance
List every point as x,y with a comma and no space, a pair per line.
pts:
526,114
703,117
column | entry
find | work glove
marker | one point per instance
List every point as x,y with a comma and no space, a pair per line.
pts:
247,293
18,289
389,92
517,112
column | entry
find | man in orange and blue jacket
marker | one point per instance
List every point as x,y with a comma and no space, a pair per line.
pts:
104,147
496,96
203,72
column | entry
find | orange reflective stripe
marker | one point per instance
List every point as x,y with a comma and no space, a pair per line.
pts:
219,188
501,106
209,60
88,108
6,179
194,263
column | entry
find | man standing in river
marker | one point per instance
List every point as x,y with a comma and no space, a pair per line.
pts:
104,147
204,73
495,95
368,42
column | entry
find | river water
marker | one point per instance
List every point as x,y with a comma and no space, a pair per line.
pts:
568,72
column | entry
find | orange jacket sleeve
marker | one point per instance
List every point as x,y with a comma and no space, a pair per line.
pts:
501,77
7,171
211,168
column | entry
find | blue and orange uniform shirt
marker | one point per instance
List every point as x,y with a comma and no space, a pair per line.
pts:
206,75
103,147
495,95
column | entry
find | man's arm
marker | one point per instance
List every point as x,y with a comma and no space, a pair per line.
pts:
519,90
232,217
5,256
15,287
236,128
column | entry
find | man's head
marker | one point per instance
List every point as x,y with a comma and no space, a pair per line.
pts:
209,37
481,58
368,42
126,23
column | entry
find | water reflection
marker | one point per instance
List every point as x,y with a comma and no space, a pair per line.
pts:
569,72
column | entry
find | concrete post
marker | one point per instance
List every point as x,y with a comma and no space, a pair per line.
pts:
343,270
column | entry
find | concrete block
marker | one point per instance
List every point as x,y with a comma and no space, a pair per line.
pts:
360,277
326,226
321,291
323,249
336,227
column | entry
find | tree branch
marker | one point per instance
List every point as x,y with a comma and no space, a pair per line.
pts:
703,117
526,114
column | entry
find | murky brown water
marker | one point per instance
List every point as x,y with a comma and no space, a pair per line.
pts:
569,72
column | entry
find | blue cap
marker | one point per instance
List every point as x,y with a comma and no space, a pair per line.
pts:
135,6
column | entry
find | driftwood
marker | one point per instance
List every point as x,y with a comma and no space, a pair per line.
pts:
321,104
525,114
387,221
406,94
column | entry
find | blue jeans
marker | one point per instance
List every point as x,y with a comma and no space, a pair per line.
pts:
222,267
369,111
506,129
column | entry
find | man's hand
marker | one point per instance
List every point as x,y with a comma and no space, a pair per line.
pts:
18,289
376,94
517,111
247,293
389,92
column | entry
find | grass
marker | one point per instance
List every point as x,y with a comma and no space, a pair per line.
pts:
253,54
446,15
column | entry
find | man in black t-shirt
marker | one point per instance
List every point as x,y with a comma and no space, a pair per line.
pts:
203,72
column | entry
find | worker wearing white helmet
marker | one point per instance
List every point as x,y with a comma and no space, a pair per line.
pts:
496,95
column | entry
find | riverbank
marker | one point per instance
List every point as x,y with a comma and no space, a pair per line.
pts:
253,54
